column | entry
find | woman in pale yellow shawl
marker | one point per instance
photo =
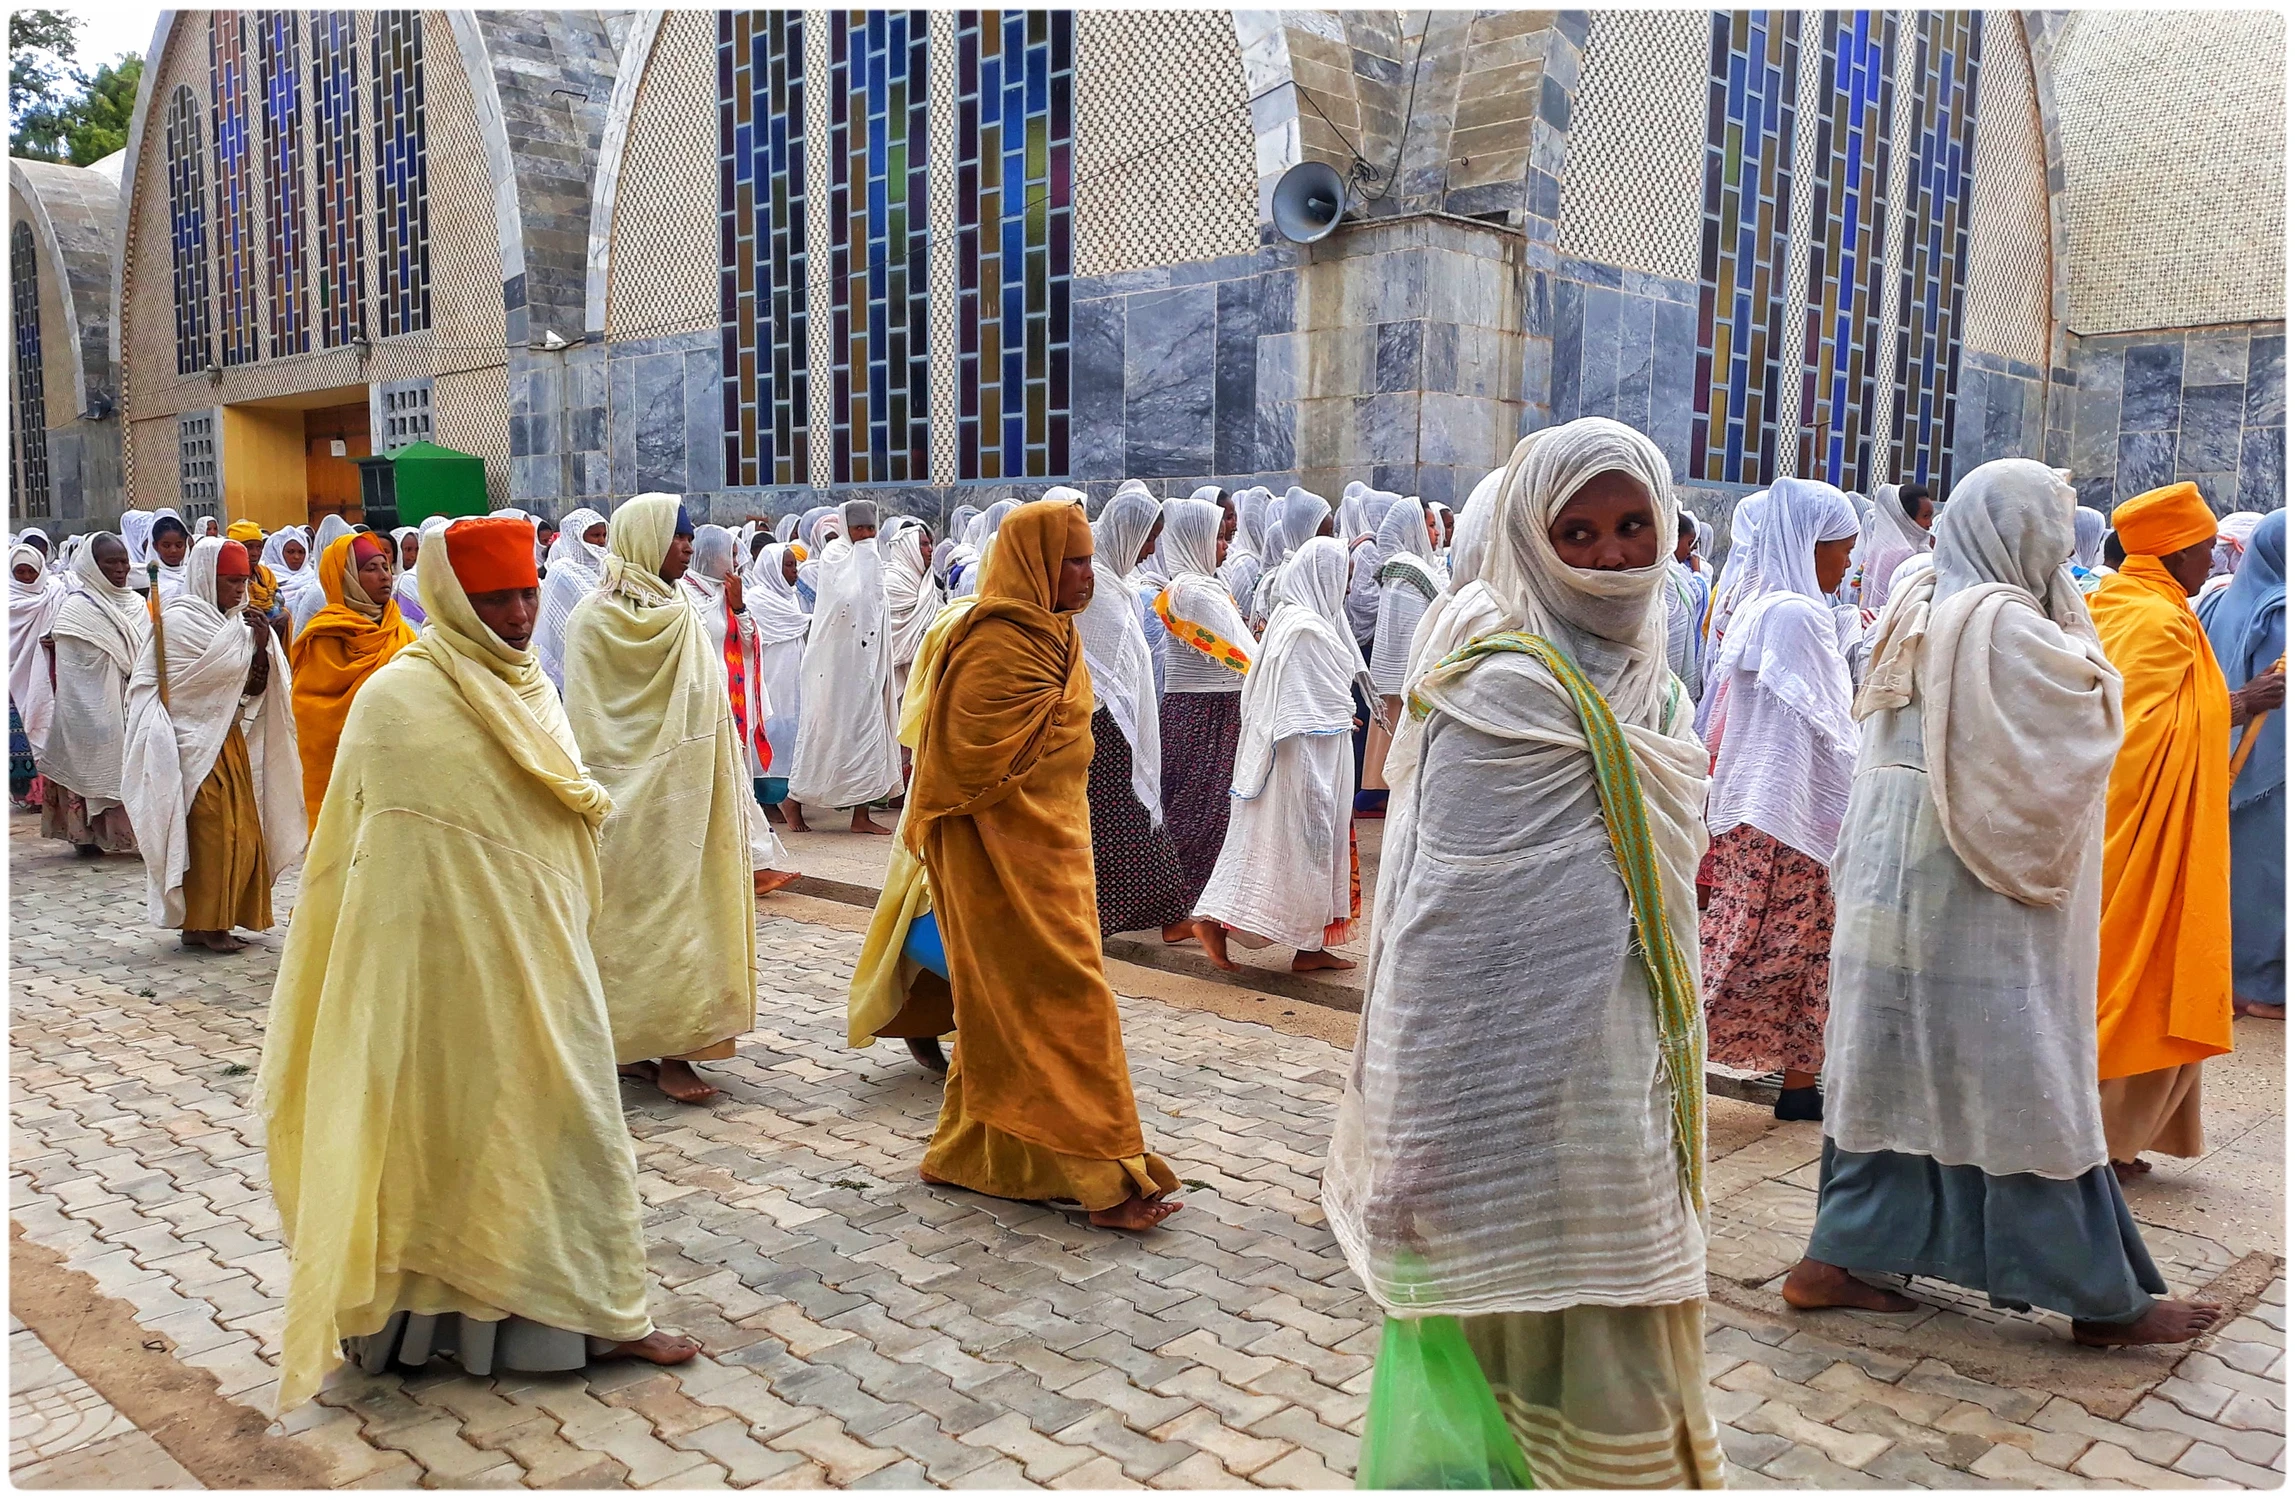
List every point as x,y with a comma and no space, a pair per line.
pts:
677,936
446,1142
1039,1098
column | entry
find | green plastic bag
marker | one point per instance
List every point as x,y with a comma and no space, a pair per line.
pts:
1433,1422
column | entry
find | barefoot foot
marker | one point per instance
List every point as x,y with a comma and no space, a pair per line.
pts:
796,817
2258,1010
1179,932
1812,1284
657,1348
1135,1212
861,823
641,1072
1214,939
680,1082
766,882
1311,960
2167,1323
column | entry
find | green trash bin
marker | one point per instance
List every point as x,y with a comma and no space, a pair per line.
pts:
426,480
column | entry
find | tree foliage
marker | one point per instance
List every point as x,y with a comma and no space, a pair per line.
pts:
57,111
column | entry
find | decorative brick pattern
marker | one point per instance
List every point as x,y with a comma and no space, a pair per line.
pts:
1632,180
663,259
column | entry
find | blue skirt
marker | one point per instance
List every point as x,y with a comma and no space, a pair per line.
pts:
2024,1241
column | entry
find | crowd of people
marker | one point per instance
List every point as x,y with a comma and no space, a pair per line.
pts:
1954,811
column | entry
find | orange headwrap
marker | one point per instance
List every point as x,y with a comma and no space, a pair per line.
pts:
492,553
2158,522
231,561
364,547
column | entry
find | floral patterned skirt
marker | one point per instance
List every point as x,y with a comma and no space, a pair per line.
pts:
1135,867
1199,735
1767,935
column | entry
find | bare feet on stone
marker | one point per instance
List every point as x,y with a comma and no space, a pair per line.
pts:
766,882
214,942
1214,940
2167,1323
1813,1284
1312,959
1134,1212
1179,932
796,816
657,1348
861,823
680,1082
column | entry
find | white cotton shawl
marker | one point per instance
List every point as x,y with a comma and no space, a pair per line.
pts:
135,530
912,599
1962,1024
1366,557
577,568
171,578
846,753
1116,649
275,558
1246,552
1466,609
646,698
172,746
99,631
1190,551
1890,537
1301,679
1787,746
1505,1140
32,609
772,599
1408,584
1298,518
309,597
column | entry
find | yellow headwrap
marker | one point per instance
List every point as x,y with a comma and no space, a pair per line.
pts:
2161,521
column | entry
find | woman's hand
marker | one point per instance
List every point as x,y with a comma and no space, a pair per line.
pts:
733,590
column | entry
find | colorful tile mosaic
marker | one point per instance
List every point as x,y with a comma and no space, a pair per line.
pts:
879,237
1014,142
28,473
1753,77
761,229
335,133
237,234
1848,219
1948,47
187,229
278,60
402,175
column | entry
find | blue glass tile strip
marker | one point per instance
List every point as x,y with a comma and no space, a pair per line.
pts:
762,249
1842,322
28,469
187,229
279,63
1015,134
235,223
878,247
402,174
335,137
1948,50
1753,77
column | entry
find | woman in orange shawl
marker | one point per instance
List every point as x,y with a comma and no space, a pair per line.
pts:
2163,986
357,630
1039,1097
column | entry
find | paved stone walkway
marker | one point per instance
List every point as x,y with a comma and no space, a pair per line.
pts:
866,1331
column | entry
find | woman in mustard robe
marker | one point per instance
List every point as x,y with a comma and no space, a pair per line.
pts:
1039,1097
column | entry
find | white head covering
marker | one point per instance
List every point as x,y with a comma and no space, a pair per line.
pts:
960,521
912,599
135,531
32,609
1300,680
1191,538
785,529
1115,646
576,568
2088,528
772,599
1352,526
1889,537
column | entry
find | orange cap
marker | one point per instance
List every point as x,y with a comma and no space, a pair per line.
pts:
492,553
2161,521
231,561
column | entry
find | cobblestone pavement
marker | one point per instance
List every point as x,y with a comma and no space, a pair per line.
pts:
866,1331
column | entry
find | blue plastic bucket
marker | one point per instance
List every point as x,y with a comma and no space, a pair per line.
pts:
922,946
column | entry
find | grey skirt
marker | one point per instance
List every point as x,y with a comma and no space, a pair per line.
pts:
478,1346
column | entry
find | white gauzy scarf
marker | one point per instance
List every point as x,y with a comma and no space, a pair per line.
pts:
32,609
1115,647
172,746
90,727
1300,681
912,599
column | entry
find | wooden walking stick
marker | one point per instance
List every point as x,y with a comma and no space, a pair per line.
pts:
158,630
2254,728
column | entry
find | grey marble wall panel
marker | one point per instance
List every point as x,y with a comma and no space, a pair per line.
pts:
1673,372
1635,331
2263,468
1396,364
1235,428
1438,357
1096,389
2216,358
2220,490
1569,340
2267,381
2151,387
2209,429
704,422
660,412
1598,353
1278,426
1170,376
2147,461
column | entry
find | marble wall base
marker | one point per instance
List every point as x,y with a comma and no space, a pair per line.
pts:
2208,405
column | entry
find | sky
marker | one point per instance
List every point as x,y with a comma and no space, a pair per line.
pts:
108,30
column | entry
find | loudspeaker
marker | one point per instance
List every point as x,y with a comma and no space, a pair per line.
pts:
1308,202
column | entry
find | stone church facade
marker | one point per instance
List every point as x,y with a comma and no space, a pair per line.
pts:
771,258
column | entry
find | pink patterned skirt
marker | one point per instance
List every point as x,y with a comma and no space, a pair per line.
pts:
1767,936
